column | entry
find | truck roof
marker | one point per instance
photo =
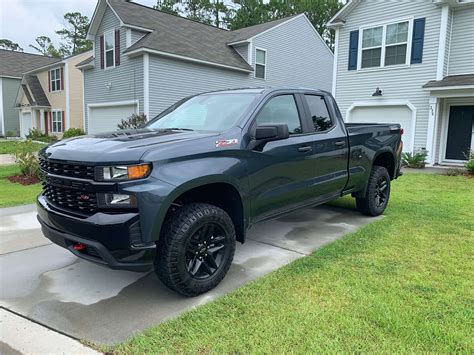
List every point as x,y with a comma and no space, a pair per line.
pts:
262,90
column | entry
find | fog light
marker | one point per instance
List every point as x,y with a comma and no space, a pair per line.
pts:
110,200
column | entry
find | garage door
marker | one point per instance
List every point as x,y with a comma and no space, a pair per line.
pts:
104,119
386,114
26,123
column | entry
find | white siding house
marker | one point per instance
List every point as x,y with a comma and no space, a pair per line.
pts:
145,60
409,62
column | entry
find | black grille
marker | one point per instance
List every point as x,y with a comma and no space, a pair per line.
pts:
72,170
72,199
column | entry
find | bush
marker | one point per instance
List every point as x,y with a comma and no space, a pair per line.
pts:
36,135
26,158
454,172
12,134
469,165
415,160
133,122
73,132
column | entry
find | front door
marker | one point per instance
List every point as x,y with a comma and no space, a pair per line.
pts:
460,132
280,174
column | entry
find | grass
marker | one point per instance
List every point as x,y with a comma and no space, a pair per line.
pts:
13,194
9,147
401,284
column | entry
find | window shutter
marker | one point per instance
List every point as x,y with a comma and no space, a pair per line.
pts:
51,120
49,81
101,41
46,122
353,49
418,40
117,47
63,123
62,78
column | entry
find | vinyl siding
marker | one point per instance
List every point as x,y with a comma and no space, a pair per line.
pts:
57,99
137,35
243,50
10,113
76,103
297,57
461,55
126,79
448,43
402,83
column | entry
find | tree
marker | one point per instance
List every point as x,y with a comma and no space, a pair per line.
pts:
168,6
46,47
10,45
75,33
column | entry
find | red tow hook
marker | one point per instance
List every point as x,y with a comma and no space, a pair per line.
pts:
79,246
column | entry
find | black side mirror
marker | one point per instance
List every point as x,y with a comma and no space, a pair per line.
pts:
272,132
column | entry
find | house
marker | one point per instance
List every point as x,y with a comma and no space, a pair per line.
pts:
50,98
145,60
12,66
420,56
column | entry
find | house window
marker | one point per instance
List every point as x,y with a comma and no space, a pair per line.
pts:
56,121
109,49
55,77
260,63
385,45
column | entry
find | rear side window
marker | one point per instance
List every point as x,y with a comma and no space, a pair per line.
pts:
319,113
281,109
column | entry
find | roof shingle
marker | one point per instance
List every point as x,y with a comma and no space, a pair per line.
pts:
451,80
14,64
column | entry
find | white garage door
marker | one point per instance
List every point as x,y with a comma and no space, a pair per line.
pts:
386,114
105,119
26,123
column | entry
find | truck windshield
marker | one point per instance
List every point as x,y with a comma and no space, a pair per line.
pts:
212,112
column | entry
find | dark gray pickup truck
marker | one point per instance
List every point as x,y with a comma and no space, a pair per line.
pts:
177,194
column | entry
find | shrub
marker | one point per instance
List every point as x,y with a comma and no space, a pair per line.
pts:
26,158
36,135
73,132
415,160
454,172
469,165
12,134
133,122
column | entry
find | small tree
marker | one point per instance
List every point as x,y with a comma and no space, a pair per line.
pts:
133,122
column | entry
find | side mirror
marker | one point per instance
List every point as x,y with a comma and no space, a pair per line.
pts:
272,132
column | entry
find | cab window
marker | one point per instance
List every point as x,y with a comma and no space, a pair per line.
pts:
281,109
319,113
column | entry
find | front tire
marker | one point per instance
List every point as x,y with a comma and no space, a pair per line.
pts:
195,249
378,193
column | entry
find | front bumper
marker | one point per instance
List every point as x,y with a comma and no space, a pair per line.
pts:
108,238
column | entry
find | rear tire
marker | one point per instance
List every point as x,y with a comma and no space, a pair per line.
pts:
195,249
378,193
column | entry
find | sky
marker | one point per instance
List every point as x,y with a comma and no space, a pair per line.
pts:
21,21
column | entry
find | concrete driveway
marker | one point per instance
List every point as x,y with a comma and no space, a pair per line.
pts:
49,285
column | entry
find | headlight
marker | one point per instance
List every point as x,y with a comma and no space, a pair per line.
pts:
121,173
111,200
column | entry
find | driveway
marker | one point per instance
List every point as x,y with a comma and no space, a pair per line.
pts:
50,286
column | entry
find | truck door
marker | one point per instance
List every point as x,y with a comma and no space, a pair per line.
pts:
281,173
330,147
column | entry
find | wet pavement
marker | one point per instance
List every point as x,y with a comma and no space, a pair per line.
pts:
49,285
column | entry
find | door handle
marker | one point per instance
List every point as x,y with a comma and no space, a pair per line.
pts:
305,148
340,143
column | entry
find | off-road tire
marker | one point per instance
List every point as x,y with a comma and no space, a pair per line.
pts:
368,204
178,231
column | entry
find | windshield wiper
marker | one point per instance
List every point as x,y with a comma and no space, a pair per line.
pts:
177,129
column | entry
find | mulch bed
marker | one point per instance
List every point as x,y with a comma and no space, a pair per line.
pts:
23,180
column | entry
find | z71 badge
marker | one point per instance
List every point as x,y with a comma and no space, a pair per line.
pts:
226,142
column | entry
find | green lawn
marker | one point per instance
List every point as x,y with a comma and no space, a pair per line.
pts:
401,284
9,147
13,194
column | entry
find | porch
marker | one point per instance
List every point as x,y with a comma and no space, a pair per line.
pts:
451,120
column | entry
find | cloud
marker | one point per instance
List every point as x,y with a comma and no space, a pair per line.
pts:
23,20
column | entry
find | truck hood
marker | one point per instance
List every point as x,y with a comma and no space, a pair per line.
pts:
121,146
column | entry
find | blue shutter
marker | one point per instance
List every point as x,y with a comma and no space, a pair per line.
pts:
418,39
353,49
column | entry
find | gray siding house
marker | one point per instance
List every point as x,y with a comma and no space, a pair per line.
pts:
145,60
420,55
12,66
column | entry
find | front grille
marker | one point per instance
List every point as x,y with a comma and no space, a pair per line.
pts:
77,200
72,170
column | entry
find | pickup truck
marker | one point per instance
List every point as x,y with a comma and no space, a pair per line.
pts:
177,194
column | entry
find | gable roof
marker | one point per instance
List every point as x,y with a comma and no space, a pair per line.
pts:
32,89
179,37
14,64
